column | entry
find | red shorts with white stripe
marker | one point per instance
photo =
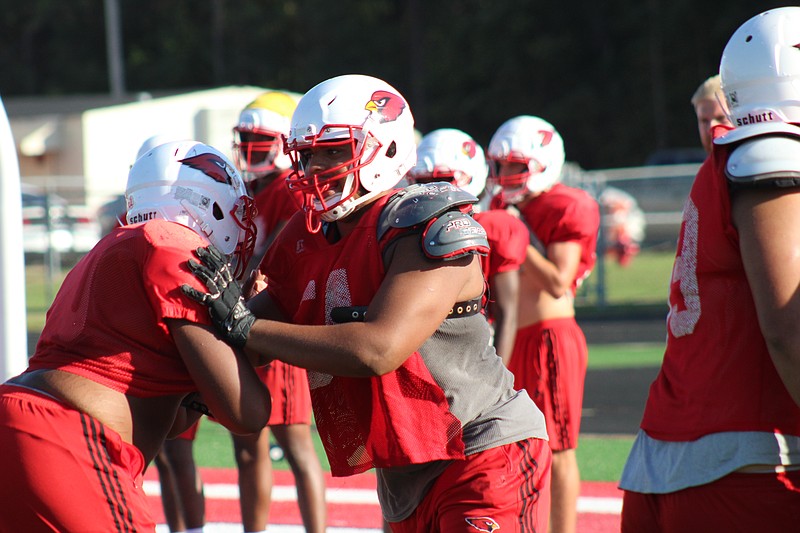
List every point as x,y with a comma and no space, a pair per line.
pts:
288,387
549,361
64,471
736,502
505,489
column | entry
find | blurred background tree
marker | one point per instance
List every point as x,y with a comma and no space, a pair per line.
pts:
614,77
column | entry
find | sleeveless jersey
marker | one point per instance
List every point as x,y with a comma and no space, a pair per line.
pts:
717,375
414,414
566,214
107,320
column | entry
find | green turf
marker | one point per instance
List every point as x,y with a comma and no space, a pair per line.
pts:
644,281
213,447
41,285
602,458
625,355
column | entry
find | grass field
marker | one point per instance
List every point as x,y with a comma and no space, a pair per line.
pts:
642,283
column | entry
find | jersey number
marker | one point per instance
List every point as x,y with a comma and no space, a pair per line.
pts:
684,273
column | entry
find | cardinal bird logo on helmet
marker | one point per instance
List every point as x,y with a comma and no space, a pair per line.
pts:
469,148
212,166
386,105
483,523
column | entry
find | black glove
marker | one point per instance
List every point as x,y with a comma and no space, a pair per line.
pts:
224,299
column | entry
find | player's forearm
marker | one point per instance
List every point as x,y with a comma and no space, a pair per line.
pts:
549,278
504,334
341,350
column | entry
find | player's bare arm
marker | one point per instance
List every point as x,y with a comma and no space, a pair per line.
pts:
417,293
224,377
504,301
767,221
556,272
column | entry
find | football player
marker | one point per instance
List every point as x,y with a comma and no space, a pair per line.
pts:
452,156
258,152
549,358
381,292
709,110
719,443
126,359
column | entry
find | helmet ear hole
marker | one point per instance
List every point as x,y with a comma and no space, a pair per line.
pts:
392,150
217,211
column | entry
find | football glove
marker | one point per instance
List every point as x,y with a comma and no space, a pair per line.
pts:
224,299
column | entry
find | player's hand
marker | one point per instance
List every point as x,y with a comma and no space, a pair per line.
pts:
224,297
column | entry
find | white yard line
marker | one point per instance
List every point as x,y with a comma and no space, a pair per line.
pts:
284,493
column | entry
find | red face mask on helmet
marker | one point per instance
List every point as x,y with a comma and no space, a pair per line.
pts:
363,115
258,136
536,146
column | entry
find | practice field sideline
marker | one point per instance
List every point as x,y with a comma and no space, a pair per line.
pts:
352,504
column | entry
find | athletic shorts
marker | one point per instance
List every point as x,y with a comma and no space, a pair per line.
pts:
763,503
549,361
62,470
504,489
288,387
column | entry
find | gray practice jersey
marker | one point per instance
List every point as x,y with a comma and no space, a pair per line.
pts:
480,392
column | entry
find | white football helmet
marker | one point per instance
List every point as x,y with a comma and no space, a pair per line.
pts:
760,69
151,142
533,142
194,185
370,117
450,155
258,136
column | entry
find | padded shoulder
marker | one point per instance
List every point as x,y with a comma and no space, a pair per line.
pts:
454,234
769,160
420,203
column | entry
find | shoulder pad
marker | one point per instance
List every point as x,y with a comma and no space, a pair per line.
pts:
420,203
772,160
452,235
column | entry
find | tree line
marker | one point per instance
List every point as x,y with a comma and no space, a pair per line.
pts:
614,77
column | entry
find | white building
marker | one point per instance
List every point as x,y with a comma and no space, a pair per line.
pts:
82,147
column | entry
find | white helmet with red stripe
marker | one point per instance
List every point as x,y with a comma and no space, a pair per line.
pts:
533,142
194,185
449,154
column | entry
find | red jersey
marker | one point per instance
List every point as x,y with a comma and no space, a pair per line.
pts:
566,214
275,204
397,419
508,242
107,321
717,374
